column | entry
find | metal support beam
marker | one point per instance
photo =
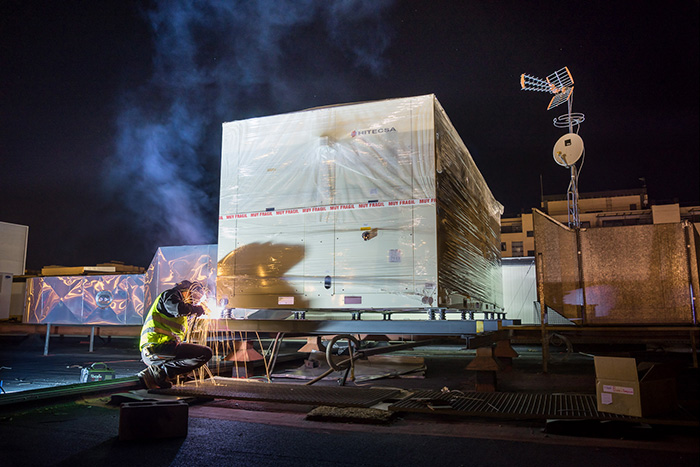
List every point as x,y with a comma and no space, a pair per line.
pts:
330,327
46,341
543,313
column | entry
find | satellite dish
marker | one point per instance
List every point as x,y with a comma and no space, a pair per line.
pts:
568,149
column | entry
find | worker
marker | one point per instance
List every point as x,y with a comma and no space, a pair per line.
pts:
163,347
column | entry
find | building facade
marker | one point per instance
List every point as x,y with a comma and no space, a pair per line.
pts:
598,209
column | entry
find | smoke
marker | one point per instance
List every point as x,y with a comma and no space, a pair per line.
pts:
216,61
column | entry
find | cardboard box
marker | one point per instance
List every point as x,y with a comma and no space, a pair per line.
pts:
625,388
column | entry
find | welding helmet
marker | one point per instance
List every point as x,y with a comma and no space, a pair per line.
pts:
193,292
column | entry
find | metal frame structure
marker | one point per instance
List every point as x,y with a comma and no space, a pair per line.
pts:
373,327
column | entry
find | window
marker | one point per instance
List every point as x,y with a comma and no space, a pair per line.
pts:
503,246
517,248
585,224
530,233
531,252
511,228
613,223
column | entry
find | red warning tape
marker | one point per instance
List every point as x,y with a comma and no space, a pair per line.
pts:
331,208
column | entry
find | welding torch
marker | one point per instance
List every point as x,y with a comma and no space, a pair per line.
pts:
200,303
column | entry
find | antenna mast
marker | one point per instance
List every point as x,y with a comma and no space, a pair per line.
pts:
569,149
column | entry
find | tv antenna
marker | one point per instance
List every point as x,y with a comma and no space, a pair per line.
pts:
569,148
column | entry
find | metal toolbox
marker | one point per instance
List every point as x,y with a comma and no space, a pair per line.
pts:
96,372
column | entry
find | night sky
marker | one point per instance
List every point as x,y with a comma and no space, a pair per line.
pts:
111,111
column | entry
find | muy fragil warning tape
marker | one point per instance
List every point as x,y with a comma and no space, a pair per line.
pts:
329,208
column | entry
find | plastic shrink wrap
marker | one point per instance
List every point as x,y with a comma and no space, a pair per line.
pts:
117,299
94,300
365,206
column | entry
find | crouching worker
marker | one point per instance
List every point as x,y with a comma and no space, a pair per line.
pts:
163,346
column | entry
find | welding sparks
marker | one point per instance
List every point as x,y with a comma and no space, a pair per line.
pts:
227,346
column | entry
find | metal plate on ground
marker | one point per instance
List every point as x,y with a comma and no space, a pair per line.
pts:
227,388
515,405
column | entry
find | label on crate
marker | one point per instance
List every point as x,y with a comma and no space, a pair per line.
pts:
285,300
618,389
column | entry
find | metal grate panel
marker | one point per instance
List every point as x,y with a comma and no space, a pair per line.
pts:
283,392
506,405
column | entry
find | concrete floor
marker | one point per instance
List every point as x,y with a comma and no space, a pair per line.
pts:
84,430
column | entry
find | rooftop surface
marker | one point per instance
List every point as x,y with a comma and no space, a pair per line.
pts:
84,429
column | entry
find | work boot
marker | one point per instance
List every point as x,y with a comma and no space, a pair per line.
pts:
154,377
147,379
161,377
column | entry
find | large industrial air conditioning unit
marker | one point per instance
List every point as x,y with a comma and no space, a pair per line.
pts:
369,206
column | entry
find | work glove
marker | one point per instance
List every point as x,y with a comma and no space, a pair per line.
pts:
198,310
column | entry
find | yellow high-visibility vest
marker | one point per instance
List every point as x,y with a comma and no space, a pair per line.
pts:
158,327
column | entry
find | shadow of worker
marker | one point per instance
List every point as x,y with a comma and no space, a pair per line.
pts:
256,275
